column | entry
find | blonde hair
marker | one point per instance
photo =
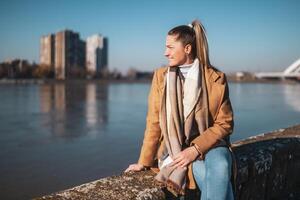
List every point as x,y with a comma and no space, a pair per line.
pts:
201,43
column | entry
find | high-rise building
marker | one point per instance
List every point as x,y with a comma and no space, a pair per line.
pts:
104,54
69,53
47,50
96,53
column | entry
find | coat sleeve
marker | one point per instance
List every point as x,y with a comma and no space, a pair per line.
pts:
152,132
222,125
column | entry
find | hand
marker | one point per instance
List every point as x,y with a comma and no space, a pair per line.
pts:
135,167
185,157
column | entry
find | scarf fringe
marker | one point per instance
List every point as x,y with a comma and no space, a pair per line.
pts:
172,187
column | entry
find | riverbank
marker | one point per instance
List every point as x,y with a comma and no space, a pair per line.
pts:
54,81
107,81
267,168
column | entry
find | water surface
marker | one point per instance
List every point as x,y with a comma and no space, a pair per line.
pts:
56,136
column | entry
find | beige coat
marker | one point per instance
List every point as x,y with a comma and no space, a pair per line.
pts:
220,118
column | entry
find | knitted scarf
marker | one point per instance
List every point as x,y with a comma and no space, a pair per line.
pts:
176,122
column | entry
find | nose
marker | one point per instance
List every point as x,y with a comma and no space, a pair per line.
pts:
166,53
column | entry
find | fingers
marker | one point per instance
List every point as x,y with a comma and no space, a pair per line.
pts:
182,164
180,161
130,168
175,161
134,167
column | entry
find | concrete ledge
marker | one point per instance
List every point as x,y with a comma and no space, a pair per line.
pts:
126,186
267,168
268,165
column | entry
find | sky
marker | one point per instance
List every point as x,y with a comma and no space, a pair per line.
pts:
243,35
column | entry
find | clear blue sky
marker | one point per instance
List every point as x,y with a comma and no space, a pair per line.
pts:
257,35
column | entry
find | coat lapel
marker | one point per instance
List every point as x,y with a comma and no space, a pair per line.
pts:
214,90
163,83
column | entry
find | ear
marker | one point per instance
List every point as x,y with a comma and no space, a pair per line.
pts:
188,49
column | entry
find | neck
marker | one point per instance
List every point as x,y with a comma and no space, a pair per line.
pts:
188,61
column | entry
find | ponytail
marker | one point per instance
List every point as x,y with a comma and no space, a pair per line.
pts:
202,51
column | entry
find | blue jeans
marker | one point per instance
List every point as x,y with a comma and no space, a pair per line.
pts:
213,174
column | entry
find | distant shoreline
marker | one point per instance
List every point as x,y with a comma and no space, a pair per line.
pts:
53,81
130,81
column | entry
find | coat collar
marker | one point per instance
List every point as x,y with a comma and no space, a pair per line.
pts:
210,73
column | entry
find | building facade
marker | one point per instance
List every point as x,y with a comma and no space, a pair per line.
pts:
69,54
47,51
96,54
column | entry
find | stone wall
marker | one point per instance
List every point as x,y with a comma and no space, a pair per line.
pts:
267,168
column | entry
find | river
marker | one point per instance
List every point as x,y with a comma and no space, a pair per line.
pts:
56,136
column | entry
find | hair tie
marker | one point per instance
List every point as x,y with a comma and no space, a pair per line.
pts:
190,25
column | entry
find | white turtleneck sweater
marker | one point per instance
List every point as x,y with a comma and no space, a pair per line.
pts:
185,68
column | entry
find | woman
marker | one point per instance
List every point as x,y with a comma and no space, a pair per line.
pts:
189,119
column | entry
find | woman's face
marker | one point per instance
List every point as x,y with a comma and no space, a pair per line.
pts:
176,53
